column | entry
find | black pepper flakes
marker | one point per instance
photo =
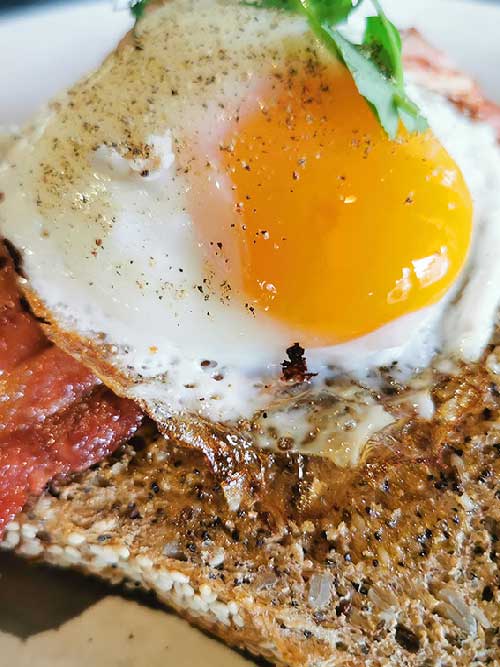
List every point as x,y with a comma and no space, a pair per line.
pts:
487,595
343,608
133,512
407,639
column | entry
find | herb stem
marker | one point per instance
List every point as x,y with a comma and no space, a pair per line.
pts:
404,103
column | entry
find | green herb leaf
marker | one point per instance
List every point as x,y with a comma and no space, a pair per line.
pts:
370,81
137,8
376,65
385,44
385,95
326,11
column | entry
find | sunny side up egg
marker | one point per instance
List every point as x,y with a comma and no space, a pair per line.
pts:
321,220
219,190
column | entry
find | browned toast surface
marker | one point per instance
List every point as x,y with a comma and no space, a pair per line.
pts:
392,563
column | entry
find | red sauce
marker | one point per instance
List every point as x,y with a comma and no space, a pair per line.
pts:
55,417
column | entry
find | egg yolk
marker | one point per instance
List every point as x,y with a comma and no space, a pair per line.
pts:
325,223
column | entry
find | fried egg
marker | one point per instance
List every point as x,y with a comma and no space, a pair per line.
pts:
219,190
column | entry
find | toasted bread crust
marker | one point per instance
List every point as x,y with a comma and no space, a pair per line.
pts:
391,563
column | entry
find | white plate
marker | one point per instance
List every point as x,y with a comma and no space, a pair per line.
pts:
41,52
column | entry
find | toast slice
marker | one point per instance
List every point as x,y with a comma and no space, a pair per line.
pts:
394,563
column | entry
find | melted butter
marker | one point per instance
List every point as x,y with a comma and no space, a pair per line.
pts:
336,424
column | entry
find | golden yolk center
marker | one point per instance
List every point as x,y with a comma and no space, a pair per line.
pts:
326,224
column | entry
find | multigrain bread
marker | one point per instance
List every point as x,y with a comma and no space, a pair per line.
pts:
391,563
